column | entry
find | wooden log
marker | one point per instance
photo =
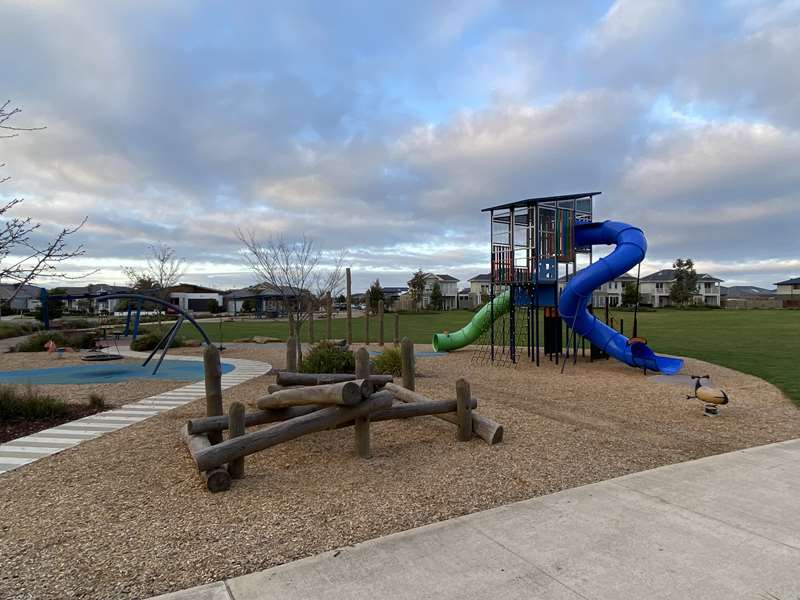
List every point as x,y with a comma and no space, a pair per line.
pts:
346,393
349,301
415,409
289,430
258,417
236,429
488,430
380,322
274,387
213,379
463,411
217,479
291,354
288,378
396,329
407,363
329,316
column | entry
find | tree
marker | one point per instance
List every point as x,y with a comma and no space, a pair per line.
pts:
341,299
416,287
630,295
437,300
248,305
213,306
374,295
293,268
23,256
685,286
55,308
163,270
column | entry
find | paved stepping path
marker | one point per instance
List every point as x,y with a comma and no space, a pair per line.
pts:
30,448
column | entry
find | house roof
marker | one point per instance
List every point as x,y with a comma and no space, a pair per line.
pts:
27,291
94,288
191,288
745,291
464,291
482,277
395,290
793,281
447,277
532,201
669,275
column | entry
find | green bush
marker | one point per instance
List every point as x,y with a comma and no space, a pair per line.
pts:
388,363
327,357
75,339
13,329
148,341
28,404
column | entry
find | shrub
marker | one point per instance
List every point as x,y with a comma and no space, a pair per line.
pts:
76,339
13,329
148,341
327,357
28,404
388,363
97,401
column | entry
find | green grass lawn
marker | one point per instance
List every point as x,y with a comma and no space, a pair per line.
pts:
765,343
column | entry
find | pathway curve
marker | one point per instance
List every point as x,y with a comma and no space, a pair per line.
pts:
718,528
30,448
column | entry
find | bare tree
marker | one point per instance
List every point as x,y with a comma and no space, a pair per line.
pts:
23,257
163,270
295,269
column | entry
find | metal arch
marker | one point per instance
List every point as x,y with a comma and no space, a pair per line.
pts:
142,297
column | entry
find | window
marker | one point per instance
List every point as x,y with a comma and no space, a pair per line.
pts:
659,286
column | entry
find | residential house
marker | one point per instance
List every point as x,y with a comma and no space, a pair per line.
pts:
264,298
655,288
89,305
448,286
466,299
193,298
24,299
788,288
391,294
613,290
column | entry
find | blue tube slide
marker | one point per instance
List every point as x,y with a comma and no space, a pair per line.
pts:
630,250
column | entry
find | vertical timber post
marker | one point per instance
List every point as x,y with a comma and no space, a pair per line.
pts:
291,354
366,325
362,423
463,411
407,363
236,429
380,323
349,306
311,326
213,378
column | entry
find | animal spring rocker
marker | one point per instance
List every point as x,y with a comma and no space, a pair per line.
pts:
711,397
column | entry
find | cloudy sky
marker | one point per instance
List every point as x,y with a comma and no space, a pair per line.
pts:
384,127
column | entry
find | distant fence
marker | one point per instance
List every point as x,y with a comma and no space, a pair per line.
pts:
745,303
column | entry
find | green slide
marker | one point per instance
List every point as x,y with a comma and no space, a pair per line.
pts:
445,342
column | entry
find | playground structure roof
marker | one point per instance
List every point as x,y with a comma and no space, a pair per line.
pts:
533,201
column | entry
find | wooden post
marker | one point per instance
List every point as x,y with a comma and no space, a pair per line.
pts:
362,363
235,429
329,329
291,354
213,377
396,329
463,411
362,423
366,326
349,301
380,322
407,363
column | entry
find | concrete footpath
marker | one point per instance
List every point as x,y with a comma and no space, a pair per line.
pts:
722,527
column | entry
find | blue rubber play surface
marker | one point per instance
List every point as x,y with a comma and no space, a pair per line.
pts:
178,370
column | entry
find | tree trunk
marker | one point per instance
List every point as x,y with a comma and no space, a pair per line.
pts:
291,354
289,430
329,329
